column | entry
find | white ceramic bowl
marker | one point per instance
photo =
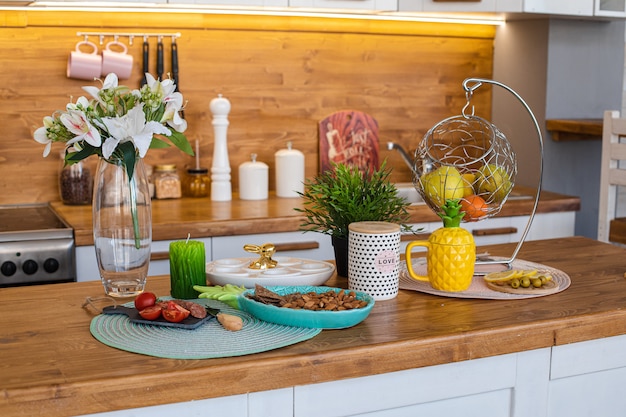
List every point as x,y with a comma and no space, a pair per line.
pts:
288,272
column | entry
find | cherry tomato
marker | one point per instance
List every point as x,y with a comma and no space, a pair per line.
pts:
475,208
174,313
150,313
145,300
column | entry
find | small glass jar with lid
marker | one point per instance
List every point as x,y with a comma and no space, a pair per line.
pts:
75,183
196,183
166,182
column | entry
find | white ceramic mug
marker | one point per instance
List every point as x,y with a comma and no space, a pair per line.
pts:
84,65
118,62
374,258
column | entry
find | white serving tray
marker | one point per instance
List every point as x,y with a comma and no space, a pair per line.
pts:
288,272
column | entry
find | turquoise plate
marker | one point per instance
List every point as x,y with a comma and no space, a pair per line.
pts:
306,318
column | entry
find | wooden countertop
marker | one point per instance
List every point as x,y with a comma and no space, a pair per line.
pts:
51,365
174,219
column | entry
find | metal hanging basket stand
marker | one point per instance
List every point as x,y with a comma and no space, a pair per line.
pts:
467,157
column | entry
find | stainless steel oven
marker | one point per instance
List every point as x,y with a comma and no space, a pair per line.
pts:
36,246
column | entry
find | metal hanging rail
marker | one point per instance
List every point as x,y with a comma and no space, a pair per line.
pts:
130,35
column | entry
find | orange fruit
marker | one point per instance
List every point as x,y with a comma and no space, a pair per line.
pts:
475,208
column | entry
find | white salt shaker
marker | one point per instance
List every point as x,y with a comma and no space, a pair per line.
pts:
221,189
289,172
253,180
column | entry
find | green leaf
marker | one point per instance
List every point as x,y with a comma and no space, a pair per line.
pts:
158,143
181,142
128,156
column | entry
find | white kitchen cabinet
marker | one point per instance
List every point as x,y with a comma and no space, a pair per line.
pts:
318,246
611,8
552,7
310,245
87,265
259,3
575,380
160,249
384,5
274,403
587,379
497,230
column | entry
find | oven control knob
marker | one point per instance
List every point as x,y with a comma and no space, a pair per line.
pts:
29,267
51,265
8,268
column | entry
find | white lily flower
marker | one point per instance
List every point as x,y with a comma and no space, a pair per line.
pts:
174,104
76,122
109,82
131,127
41,135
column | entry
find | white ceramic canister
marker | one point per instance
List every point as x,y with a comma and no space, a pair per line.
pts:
253,180
289,172
374,258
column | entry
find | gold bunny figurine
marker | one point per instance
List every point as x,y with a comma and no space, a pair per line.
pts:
265,251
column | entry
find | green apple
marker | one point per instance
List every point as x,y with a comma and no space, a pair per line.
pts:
493,181
443,184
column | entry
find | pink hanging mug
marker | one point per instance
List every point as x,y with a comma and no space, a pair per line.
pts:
84,65
115,61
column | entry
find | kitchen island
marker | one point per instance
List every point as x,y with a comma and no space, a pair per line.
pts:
550,356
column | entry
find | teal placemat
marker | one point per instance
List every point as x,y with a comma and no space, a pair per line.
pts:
210,340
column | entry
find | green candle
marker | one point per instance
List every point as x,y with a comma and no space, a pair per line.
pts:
187,268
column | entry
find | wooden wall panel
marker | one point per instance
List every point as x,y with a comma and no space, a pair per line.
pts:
280,82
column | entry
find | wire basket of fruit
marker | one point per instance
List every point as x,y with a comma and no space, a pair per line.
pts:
465,158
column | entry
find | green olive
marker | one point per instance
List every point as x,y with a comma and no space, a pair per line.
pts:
525,282
536,282
515,283
543,279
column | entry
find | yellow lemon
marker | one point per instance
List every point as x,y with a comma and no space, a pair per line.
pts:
493,181
468,181
445,183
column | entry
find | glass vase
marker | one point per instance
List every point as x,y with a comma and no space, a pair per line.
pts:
122,227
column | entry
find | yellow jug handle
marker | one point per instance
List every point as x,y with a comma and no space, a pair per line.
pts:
409,264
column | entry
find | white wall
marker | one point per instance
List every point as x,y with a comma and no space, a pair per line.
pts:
563,68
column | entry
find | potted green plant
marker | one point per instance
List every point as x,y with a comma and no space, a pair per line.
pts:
343,195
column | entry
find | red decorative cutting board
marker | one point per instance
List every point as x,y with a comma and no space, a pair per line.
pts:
349,137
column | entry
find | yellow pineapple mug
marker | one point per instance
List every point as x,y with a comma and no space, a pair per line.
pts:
449,262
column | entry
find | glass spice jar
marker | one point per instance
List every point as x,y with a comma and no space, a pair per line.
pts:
196,183
166,182
75,184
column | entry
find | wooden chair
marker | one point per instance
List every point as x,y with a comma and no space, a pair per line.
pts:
613,174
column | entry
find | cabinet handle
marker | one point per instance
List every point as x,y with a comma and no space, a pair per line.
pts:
414,236
283,247
495,231
159,256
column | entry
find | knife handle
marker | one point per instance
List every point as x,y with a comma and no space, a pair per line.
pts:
160,60
146,61
175,64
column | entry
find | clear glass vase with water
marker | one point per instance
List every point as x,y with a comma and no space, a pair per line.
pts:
122,227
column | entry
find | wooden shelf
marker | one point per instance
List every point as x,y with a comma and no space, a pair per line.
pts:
574,129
